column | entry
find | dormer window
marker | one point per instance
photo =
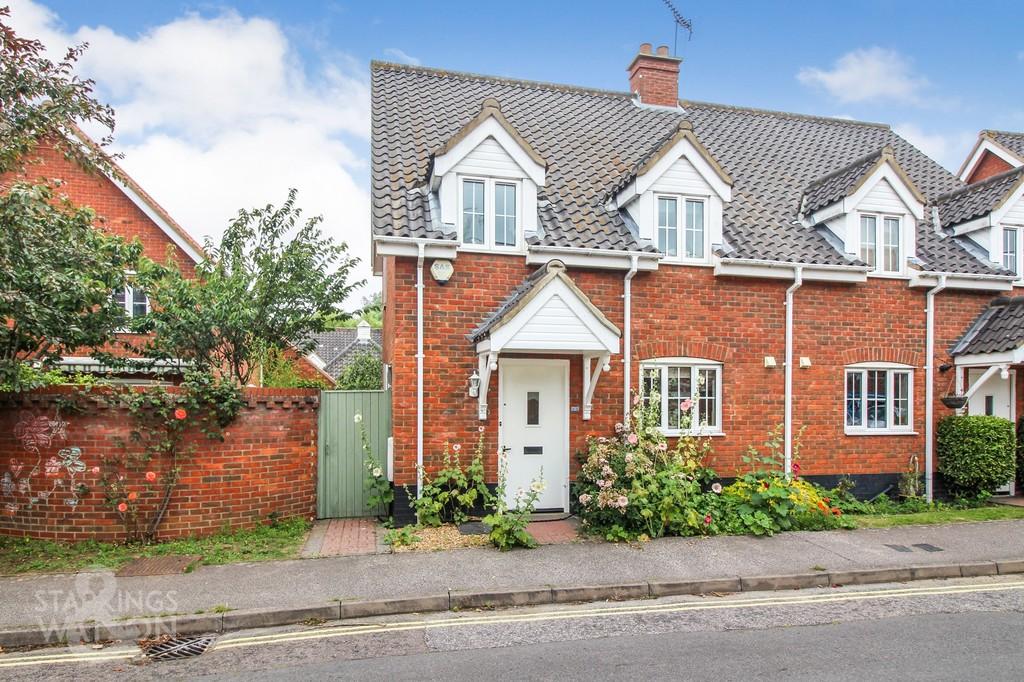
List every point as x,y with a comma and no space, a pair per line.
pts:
689,242
490,213
1010,250
880,242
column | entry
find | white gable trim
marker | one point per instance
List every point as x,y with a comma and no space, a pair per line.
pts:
597,337
682,149
490,128
999,214
983,145
153,215
886,172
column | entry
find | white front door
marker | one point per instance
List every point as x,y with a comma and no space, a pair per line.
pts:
994,398
534,426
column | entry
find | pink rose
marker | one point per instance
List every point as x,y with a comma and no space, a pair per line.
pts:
685,405
150,476
96,470
123,507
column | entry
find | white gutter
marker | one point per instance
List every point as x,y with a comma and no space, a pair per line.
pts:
419,370
789,264
627,336
929,384
788,419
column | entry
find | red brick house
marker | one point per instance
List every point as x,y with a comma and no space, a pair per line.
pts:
548,250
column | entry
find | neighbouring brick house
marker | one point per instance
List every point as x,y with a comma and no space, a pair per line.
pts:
547,250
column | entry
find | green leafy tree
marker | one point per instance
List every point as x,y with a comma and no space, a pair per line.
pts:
270,283
372,311
57,272
364,373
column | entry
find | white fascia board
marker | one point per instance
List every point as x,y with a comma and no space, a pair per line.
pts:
603,337
987,145
600,259
409,246
726,267
1009,357
489,128
885,172
998,214
982,223
684,148
955,280
825,214
164,226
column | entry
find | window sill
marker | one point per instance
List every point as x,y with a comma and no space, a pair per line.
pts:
666,260
701,434
879,432
888,275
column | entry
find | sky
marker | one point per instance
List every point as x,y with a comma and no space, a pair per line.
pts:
222,106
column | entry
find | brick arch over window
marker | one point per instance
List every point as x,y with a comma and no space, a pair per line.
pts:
677,348
883,354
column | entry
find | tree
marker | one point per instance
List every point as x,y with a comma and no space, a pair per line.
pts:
364,373
372,311
56,271
260,290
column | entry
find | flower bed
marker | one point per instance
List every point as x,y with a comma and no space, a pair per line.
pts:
633,486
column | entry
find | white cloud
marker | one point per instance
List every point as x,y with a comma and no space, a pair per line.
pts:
220,113
868,74
401,56
948,149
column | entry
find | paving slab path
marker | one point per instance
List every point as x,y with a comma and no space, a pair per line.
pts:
35,600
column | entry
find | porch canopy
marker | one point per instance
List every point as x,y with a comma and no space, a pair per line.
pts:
994,340
547,314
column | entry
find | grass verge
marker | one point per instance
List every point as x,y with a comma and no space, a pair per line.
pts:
282,540
990,513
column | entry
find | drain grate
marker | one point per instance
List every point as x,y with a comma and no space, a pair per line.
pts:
174,649
929,547
900,548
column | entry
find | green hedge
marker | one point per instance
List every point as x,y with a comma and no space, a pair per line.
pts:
976,454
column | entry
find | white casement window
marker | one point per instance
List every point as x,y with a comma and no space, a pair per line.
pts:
879,398
881,245
685,241
689,392
1011,250
490,213
133,299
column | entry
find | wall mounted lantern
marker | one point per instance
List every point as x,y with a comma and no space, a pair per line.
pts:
474,385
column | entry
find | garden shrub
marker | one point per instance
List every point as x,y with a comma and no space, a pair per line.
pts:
976,454
453,491
508,525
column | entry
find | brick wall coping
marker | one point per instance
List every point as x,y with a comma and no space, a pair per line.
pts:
294,397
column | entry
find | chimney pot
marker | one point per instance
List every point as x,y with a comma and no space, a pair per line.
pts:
655,77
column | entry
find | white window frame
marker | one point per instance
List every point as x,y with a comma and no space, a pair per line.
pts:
1017,231
694,365
489,219
880,219
680,201
890,369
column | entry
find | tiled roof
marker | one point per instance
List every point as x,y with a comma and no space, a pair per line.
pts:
1000,327
498,314
593,139
977,200
838,184
338,347
1012,141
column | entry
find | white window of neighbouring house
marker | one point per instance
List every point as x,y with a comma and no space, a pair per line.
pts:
490,213
134,301
1010,250
689,394
881,242
879,398
687,243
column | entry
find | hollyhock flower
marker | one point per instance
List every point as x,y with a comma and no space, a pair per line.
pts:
707,520
150,476
685,405
358,418
456,447
537,486
123,507
716,488
377,473
480,429
618,427
584,499
132,496
663,446
633,439
796,468
180,413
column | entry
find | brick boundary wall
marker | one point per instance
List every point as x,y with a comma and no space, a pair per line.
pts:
266,465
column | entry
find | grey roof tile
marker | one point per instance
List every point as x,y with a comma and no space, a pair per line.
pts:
1012,141
338,347
999,327
977,200
593,139
835,186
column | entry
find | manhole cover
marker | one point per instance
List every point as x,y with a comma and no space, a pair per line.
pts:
928,547
474,528
899,548
173,649
171,564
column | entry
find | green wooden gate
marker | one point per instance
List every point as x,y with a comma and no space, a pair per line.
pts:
340,471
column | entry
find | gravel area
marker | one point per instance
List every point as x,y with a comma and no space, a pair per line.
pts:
442,538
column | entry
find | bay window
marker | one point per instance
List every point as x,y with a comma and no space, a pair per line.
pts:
490,213
688,393
878,398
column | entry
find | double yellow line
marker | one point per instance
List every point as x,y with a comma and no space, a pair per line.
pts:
333,631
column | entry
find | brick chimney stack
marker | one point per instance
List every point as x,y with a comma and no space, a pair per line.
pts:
655,76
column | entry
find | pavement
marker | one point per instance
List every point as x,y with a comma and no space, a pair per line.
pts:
100,606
